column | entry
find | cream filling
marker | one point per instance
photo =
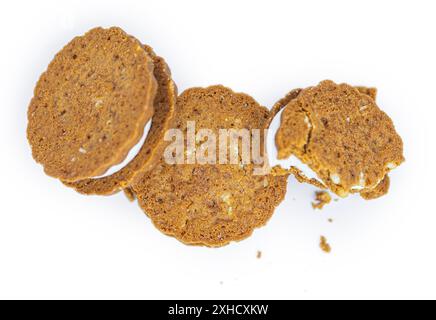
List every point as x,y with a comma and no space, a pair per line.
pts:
130,156
272,151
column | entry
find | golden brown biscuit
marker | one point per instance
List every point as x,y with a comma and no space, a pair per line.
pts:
379,191
211,204
342,135
91,105
151,151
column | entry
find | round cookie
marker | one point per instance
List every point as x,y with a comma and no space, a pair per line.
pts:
342,135
211,204
91,105
151,151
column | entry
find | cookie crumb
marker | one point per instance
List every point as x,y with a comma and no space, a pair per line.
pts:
171,195
330,220
259,254
322,198
324,245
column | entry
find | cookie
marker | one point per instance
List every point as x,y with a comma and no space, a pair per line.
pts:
379,191
297,173
91,105
151,151
211,204
342,135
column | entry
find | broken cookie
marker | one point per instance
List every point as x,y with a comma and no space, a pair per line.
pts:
342,135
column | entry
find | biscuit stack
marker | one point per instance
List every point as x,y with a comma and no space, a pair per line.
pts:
92,104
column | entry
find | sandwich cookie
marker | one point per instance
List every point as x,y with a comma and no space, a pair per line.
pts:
342,135
91,105
152,149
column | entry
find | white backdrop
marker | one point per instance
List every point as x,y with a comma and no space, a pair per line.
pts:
55,243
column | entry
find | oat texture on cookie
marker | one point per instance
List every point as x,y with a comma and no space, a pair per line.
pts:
342,135
211,204
151,151
91,105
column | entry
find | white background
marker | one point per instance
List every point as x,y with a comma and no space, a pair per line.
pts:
55,243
